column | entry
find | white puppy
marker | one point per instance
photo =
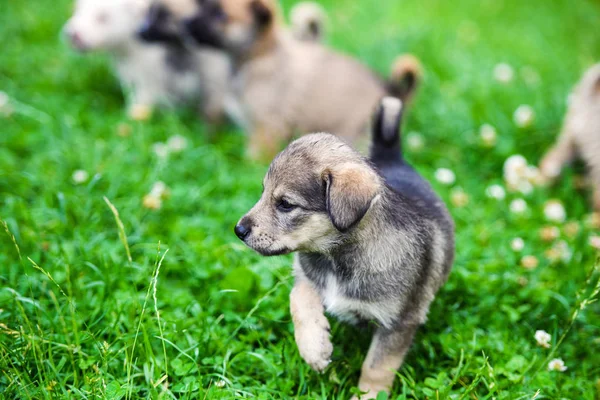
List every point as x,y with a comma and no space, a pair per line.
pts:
150,74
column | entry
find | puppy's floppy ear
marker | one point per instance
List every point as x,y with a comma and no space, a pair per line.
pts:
261,12
350,189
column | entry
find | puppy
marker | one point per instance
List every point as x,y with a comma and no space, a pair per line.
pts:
162,26
373,242
282,85
580,136
309,21
148,73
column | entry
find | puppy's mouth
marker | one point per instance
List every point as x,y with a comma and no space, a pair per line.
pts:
269,252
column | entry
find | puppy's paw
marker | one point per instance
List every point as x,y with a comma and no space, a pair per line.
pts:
140,112
314,344
550,167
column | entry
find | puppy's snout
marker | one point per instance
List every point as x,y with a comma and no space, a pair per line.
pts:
243,228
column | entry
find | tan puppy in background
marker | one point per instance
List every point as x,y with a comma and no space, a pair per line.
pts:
283,86
580,136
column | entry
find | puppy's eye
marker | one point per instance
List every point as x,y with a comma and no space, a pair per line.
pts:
215,12
285,206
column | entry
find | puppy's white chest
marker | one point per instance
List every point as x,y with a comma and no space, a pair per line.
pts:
353,310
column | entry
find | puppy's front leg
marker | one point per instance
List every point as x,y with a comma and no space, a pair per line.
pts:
563,152
311,327
385,356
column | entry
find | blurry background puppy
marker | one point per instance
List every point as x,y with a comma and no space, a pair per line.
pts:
283,86
149,74
162,26
580,136
373,242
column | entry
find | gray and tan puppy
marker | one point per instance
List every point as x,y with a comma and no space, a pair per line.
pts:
580,136
373,242
283,86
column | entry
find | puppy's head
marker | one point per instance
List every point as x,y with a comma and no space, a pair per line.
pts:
104,24
308,21
163,21
315,191
237,26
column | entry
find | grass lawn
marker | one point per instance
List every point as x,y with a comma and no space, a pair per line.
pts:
192,313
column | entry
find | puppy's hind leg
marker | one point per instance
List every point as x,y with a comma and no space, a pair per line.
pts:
563,152
385,356
311,328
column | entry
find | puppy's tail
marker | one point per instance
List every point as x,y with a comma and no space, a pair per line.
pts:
385,140
406,75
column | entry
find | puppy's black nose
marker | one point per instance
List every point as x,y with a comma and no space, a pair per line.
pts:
242,231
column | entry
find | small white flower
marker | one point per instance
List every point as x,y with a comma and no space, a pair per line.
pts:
515,168
152,202
594,241
557,365
160,149
525,187
80,176
415,141
158,189
518,206
554,211
496,192
177,143
503,73
5,107
524,116
543,338
517,244
445,176
488,135
220,383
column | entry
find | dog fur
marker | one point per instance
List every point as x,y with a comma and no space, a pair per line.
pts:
580,135
309,21
150,75
373,242
283,86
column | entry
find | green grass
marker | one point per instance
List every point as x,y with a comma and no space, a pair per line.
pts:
209,318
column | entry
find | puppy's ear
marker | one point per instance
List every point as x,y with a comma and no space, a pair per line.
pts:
349,191
261,12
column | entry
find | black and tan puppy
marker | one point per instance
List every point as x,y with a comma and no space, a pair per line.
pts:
373,242
284,86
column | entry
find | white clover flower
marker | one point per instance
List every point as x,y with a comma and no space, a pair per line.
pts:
515,169
80,176
177,143
529,262
557,365
6,108
554,211
524,116
459,198
543,338
525,187
594,241
495,192
518,206
160,149
152,202
504,73
488,135
445,176
159,189
415,141
220,383
517,244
